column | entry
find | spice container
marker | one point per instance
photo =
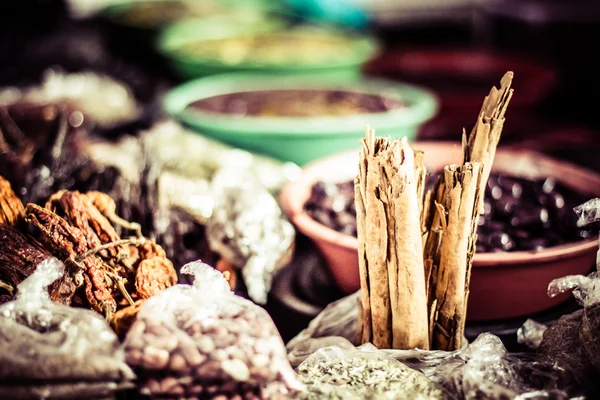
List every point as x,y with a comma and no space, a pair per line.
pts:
157,14
297,119
198,48
523,274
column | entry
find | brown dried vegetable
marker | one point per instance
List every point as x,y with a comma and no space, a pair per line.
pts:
11,207
111,273
135,268
68,244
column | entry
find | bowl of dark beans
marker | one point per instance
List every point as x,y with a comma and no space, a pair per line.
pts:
527,236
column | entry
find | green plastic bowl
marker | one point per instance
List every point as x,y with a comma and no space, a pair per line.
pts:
117,11
360,49
298,139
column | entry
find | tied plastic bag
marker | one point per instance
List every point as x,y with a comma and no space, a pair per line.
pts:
485,370
249,230
480,370
531,333
204,341
172,143
52,351
574,341
363,373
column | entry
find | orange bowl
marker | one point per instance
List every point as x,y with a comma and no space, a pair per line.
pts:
503,285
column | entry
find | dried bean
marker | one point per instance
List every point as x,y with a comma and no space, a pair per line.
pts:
205,345
169,343
135,357
155,358
167,384
177,363
541,208
151,386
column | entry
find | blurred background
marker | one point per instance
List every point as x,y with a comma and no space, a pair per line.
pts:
453,51
457,48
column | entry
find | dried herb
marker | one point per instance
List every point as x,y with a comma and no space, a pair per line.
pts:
362,375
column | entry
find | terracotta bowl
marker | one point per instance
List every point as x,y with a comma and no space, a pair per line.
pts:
503,285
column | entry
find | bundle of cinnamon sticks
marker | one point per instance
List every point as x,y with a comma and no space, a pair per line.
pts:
416,249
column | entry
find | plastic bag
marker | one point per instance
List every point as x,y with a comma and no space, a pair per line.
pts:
107,101
363,373
204,341
531,333
186,153
485,370
52,351
249,230
480,370
574,341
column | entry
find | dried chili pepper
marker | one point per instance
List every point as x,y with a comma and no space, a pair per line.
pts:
107,206
11,207
155,272
125,317
77,209
67,243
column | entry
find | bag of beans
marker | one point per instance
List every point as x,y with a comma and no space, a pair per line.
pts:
203,341
52,351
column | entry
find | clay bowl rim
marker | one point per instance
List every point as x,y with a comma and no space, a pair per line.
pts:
293,207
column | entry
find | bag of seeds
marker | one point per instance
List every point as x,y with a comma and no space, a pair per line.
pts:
202,341
52,351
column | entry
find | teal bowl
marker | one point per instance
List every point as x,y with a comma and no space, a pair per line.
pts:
198,48
155,15
299,139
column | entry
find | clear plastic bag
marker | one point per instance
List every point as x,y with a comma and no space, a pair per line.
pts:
172,143
480,370
531,333
107,101
249,230
48,350
485,370
574,340
363,373
204,341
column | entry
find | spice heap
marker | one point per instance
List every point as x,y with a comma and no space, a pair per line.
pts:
416,249
102,271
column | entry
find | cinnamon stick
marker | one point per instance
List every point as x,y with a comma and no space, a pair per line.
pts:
450,222
364,322
485,135
388,192
456,252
